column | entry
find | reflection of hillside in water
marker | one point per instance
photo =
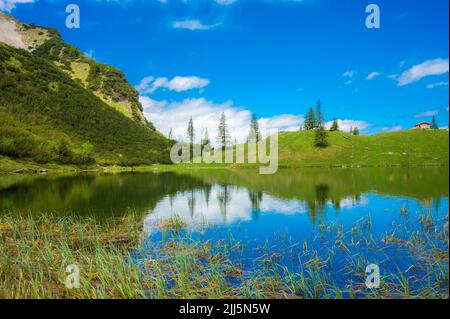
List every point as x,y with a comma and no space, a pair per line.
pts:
295,191
221,196
92,194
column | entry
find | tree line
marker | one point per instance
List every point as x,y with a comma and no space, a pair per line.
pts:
314,121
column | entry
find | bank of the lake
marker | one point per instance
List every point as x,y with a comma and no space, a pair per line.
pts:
37,249
296,149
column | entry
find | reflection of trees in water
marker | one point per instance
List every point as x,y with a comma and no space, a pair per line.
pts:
191,202
255,199
224,198
207,192
96,194
316,207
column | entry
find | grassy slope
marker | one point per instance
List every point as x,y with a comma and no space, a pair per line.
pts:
399,148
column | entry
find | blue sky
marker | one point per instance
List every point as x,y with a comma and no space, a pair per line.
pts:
274,58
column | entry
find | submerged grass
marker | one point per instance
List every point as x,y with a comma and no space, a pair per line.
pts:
117,261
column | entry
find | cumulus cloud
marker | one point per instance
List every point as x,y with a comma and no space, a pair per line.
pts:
149,84
206,114
427,114
8,5
346,125
193,25
425,69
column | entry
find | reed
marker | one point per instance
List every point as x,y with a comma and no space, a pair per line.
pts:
117,261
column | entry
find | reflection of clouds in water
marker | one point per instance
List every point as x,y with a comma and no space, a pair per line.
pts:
352,202
225,205
287,207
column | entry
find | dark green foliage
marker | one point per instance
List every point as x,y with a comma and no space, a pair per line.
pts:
334,126
223,136
254,136
355,131
319,115
191,131
321,137
310,120
434,124
40,106
104,79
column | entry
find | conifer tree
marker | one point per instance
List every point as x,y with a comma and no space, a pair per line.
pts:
254,136
321,137
223,137
191,131
319,117
434,124
334,126
310,120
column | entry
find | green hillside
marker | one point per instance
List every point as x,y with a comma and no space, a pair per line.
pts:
59,106
46,116
411,147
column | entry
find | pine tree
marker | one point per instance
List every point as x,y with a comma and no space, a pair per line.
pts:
223,137
191,131
334,126
319,118
321,137
434,124
170,134
355,131
205,140
310,120
254,136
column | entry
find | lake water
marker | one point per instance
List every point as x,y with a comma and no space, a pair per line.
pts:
279,212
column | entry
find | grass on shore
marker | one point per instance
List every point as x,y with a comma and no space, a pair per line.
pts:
296,149
115,262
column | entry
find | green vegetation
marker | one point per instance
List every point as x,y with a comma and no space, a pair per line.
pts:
414,147
57,118
37,250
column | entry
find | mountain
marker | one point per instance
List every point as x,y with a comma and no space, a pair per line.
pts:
57,105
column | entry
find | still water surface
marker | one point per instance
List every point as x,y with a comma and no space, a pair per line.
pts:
278,212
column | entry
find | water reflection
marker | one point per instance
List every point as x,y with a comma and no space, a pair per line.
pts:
226,205
225,197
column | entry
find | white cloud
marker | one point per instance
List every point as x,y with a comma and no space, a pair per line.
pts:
149,84
90,54
193,25
348,74
373,75
425,69
388,129
438,84
283,122
348,82
9,5
206,114
225,2
427,114
346,125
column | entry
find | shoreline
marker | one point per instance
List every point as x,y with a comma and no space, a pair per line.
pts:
30,168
